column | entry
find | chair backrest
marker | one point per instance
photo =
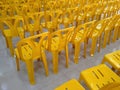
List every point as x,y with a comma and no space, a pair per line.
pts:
89,27
25,49
111,22
31,47
67,15
15,25
58,38
84,29
99,26
9,24
58,17
19,25
33,19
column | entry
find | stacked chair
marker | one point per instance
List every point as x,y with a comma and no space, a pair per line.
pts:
38,25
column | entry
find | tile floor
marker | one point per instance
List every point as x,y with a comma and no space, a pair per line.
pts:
10,79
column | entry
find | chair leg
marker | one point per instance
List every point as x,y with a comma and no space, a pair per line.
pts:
31,33
10,45
17,64
7,42
93,46
45,63
55,61
85,48
109,37
115,35
103,61
99,47
97,17
80,78
106,35
67,58
87,40
118,35
77,52
30,69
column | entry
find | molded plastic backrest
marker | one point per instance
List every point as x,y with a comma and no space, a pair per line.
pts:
86,29
30,47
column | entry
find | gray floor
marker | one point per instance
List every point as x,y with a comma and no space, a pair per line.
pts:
10,79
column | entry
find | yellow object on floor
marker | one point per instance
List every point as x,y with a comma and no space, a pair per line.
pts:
113,59
72,84
98,76
112,86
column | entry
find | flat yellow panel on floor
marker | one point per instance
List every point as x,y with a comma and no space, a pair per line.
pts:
72,84
112,86
113,59
98,76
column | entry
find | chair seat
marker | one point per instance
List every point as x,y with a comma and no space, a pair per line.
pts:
72,84
98,76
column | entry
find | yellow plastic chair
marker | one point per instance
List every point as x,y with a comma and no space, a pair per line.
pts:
51,22
19,25
12,31
98,76
72,84
90,12
6,11
106,6
80,19
28,50
32,23
109,28
67,18
96,34
56,42
113,59
116,31
57,20
114,7
79,35
98,11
